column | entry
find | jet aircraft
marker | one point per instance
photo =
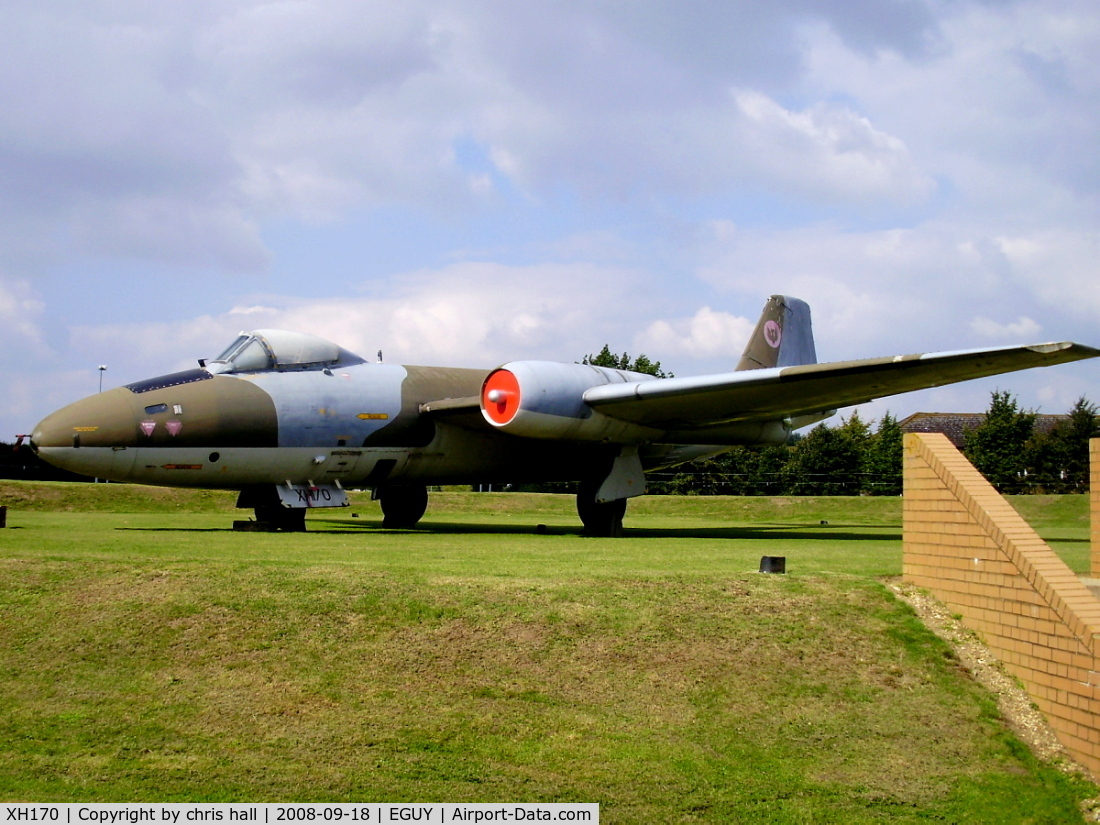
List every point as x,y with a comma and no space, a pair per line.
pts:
292,420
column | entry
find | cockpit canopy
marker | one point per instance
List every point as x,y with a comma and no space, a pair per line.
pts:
279,349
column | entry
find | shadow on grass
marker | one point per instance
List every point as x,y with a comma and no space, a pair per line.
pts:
833,532
785,531
793,532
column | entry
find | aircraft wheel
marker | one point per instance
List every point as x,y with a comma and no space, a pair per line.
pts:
287,519
604,520
402,505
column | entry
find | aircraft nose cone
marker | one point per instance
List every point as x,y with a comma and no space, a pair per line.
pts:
104,420
90,436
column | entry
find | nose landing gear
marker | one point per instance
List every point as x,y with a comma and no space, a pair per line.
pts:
270,512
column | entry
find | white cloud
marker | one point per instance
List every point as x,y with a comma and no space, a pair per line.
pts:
20,314
1003,108
210,120
923,173
1023,329
105,151
172,231
911,290
475,314
826,151
467,314
1060,267
142,349
27,398
310,110
707,334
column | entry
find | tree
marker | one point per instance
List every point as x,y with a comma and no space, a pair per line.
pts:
882,461
857,429
20,461
769,471
1058,461
753,470
1072,438
998,447
709,476
858,432
826,462
642,364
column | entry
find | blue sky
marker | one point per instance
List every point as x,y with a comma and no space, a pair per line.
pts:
467,183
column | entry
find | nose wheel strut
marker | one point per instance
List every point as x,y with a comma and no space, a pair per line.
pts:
270,511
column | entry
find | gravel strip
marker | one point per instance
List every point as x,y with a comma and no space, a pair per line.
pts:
1015,704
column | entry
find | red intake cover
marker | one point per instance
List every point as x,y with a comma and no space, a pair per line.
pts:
500,397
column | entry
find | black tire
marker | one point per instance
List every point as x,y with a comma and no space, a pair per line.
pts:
603,520
402,505
287,519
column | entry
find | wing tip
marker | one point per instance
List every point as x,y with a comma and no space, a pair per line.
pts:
1078,351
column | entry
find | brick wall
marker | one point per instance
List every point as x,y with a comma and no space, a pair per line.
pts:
967,545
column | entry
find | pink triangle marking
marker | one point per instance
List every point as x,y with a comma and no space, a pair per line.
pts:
147,427
174,427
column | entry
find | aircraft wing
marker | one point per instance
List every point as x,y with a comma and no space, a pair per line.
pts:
781,392
463,412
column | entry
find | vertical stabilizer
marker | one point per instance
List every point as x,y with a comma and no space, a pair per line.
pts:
783,336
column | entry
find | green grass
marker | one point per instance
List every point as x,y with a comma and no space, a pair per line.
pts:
147,652
1063,522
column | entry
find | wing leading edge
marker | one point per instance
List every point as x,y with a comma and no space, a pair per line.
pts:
785,392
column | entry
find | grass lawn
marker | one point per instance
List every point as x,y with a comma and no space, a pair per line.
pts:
148,652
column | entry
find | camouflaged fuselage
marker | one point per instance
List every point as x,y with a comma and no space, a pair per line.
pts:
360,425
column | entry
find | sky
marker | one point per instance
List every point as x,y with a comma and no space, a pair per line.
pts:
465,183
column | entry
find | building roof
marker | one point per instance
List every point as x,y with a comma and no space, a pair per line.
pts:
955,425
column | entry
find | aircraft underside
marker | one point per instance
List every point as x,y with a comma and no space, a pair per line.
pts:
312,477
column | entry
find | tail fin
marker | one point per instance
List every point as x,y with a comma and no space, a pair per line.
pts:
783,336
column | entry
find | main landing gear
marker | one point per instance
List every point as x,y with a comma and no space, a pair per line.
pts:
623,479
403,505
600,519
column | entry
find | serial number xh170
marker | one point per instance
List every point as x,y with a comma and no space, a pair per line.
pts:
291,420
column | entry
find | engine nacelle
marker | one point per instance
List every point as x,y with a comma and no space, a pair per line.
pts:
545,399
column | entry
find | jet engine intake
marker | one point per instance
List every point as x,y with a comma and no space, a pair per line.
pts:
545,399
